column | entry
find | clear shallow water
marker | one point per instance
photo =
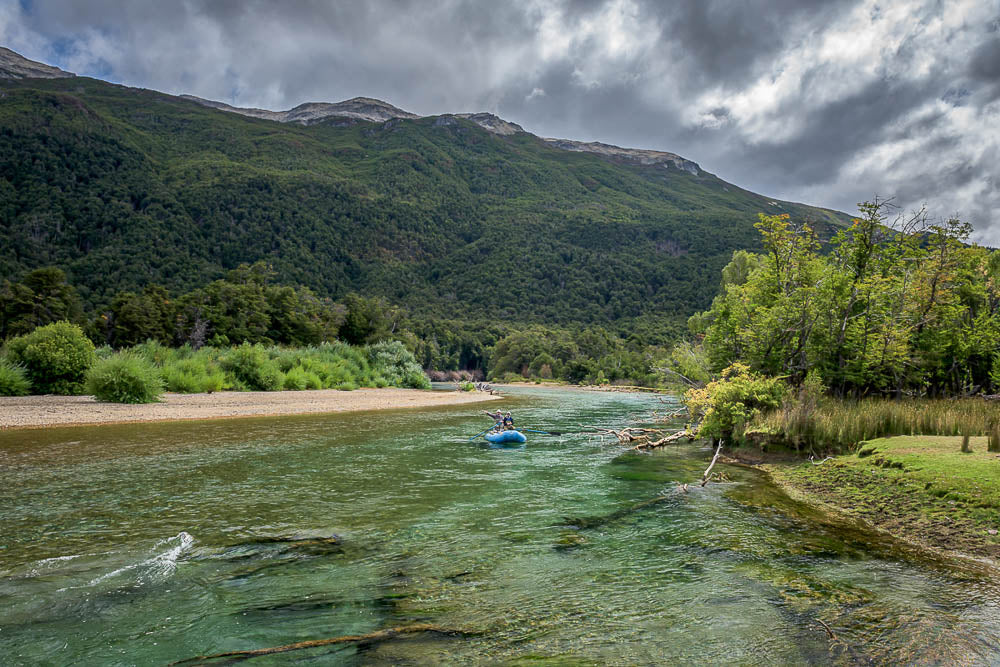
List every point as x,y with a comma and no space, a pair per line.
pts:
146,544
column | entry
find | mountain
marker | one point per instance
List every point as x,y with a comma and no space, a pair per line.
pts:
15,66
358,108
455,216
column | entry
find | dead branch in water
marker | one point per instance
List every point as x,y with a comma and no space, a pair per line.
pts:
829,632
708,470
370,638
643,438
673,437
626,435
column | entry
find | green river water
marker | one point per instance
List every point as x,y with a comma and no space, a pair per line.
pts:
146,544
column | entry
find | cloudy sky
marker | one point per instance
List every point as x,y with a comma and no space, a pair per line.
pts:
828,103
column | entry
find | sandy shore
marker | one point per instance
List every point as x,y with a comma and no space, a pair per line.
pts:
41,411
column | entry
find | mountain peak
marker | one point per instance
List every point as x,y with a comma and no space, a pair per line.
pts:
358,108
15,66
492,123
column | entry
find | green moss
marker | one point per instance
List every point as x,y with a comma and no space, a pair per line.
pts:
918,487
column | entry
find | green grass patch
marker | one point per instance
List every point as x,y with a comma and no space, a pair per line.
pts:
918,487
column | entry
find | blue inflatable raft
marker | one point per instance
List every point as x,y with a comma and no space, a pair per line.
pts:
504,437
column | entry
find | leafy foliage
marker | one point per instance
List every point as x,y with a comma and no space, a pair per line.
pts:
55,357
725,406
891,309
13,379
397,365
124,378
252,368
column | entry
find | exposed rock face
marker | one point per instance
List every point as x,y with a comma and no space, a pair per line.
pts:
492,123
15,66
360,108
638,155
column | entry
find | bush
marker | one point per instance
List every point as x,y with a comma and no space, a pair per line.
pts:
192,376
13,380
397,365
55,357
125,378
298,379
252,368
727,405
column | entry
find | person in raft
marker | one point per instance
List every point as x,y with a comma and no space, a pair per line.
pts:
508,422
497,417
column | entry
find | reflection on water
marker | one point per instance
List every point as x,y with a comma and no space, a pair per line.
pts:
143,544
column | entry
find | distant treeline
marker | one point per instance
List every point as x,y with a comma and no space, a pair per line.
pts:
247,307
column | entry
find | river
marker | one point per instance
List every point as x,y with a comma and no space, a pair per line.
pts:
151,543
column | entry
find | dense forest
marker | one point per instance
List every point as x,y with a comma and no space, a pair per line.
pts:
247,307
123,188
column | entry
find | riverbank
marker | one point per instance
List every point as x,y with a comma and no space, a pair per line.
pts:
43,411
922,489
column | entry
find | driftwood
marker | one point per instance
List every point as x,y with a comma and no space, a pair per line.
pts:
673,437
829,632
370,638
642,438
812,461
708,470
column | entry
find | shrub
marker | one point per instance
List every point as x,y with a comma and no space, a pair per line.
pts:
55,357
13,380
251,367
191,376
297,379
125,378
727,405
397,365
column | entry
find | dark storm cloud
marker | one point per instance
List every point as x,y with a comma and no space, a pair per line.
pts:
828,102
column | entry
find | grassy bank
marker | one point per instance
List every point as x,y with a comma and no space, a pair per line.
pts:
830,424
921,488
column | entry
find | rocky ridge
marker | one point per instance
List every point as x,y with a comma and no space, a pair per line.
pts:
358,108
642,156
15,66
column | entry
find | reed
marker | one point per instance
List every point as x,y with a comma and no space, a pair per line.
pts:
834,424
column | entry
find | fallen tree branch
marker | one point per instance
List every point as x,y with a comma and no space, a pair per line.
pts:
829,458
626,435
673,437
370,638
708,470
829,632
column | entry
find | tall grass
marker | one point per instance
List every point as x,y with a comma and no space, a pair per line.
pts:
333,365
842,424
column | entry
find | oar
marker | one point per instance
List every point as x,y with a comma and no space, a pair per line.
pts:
481,432
531,430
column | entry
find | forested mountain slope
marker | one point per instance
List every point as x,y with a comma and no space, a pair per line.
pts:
123,187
